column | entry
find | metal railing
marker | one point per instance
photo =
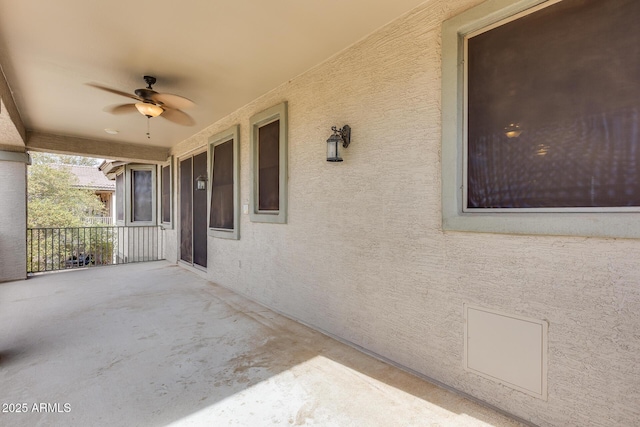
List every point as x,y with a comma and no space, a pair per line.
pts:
93,220
51,249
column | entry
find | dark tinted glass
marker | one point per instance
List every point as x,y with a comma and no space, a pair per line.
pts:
199,211
221,212
142,195
269,167
564,83
166,194
120,197
186,210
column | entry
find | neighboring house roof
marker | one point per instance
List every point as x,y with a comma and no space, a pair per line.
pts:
89,177
110,167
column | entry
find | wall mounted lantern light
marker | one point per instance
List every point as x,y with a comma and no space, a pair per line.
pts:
342,135
201,182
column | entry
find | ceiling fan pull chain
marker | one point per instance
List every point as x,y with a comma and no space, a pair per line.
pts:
148,135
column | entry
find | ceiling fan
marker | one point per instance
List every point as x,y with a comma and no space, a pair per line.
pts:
152,104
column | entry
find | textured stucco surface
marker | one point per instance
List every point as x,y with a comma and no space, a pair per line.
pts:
363,255
13,223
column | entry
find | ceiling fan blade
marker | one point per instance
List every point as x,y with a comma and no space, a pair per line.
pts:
178,117
121,109
115,91
172,101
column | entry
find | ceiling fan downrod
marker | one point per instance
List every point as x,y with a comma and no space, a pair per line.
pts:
150,80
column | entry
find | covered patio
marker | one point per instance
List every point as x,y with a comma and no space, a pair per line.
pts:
156,344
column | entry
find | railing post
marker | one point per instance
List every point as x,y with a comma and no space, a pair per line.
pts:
38,249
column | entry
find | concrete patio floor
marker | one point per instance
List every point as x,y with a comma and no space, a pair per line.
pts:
154,344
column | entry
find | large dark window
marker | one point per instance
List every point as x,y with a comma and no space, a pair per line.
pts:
222,188
553,115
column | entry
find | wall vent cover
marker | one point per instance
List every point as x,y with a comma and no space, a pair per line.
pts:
508,349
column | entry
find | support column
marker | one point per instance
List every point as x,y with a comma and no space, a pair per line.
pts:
13,215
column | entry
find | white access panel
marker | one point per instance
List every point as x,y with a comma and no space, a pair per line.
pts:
506,348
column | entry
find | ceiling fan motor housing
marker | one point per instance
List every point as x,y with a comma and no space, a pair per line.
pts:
147,93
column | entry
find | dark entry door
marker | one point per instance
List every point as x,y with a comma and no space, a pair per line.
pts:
193,211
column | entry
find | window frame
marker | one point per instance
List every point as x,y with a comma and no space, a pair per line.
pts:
270,115
121,198
231,134
129,169
596,222
169,164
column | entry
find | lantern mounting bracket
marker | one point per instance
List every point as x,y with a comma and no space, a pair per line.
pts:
344,133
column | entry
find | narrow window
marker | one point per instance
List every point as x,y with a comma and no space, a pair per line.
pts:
141,206
166,194
269,165
224,215
221,215
142,195
120,197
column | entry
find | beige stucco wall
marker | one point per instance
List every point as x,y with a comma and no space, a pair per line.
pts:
13,223
363,255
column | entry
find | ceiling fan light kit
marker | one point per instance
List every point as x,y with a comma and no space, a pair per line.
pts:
148,109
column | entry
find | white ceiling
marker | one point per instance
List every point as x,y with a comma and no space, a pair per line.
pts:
219,53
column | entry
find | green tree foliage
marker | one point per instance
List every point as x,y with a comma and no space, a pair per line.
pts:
54,202
49,158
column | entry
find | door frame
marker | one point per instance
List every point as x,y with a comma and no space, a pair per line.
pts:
190,154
